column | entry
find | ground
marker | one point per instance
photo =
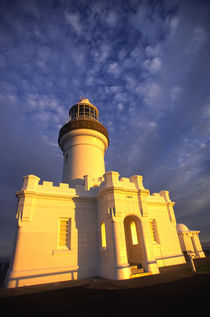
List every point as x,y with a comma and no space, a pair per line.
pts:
175,290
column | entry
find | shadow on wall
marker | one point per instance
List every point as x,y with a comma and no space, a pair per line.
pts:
4,266
22,278
18,281
86,224
5,280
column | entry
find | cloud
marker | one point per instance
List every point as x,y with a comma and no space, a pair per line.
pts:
175,93
173,23
150,92
100,54
114,69
153,51
152,124
111,19
120,106
152,65
74,21
152,23
199,37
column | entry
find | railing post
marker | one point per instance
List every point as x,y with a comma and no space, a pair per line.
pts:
191,262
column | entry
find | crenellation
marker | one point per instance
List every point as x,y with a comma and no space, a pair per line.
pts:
111,179
30,182
125,180
96,182
132,183
138,181
156,195
126,183
165,195
47,184
92,182
64,185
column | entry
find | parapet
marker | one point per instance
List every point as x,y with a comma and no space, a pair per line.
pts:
92,182
161,197
165,195
111,179
86,187
32,183
91,186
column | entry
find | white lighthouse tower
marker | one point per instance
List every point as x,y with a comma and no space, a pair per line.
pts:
83,141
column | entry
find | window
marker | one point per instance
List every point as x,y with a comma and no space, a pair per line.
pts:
134,237
87,111
74,112
64,233
153,229
91,112
81,110
103,235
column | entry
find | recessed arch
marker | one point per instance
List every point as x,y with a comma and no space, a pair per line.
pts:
132,228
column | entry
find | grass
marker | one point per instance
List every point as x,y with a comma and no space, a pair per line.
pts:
203,268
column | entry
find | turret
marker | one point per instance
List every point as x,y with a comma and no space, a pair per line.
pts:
83,141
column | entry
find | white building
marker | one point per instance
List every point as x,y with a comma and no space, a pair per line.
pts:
94,223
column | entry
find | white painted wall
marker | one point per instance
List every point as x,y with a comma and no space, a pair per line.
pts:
83,151
37,256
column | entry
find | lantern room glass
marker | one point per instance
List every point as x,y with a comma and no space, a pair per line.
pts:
83,112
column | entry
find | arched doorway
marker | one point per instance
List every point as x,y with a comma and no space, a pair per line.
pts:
133,240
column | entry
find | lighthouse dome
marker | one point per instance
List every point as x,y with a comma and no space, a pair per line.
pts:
180,227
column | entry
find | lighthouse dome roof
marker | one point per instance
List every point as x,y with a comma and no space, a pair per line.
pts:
181,227
84,100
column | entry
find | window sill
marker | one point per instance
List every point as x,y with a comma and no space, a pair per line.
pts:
61,251
104,249
156,243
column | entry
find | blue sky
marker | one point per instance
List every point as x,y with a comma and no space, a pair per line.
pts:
144,64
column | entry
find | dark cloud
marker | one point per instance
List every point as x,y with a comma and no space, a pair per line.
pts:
144,64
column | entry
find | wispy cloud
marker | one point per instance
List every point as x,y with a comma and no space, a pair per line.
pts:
152,65
74,21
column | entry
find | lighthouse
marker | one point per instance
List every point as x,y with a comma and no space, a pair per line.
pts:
83,141
93,223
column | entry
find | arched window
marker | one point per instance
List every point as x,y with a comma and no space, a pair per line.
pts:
103,235
134,237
